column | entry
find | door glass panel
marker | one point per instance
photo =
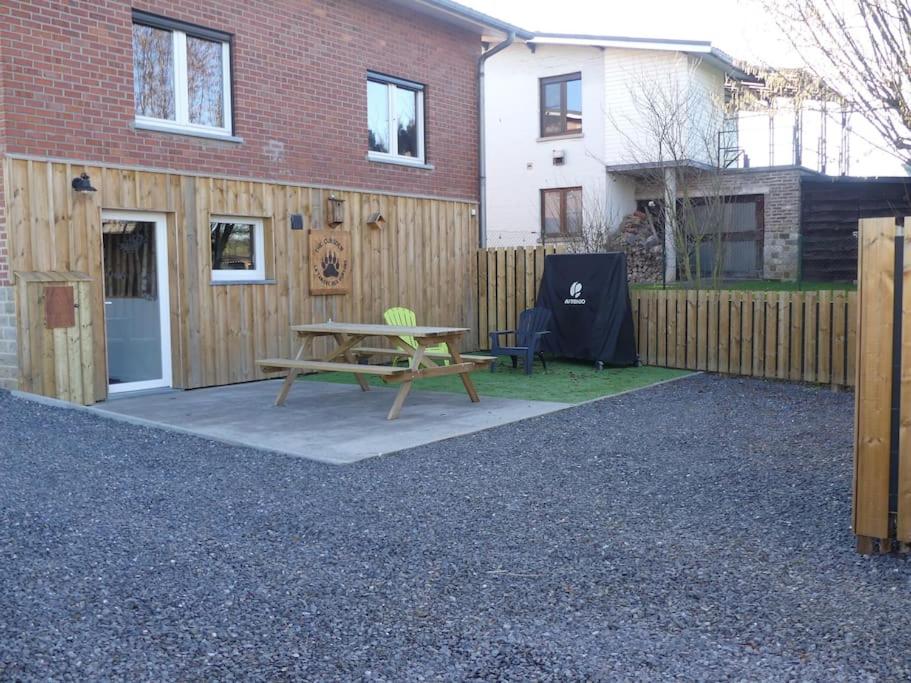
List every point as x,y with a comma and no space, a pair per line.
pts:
132,307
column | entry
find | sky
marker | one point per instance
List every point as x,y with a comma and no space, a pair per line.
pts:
741,28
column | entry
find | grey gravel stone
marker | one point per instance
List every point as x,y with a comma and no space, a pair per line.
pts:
697,530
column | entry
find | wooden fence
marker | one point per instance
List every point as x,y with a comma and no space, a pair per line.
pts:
797,336
882,450
508,280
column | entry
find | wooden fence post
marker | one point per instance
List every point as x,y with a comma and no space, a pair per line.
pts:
882,471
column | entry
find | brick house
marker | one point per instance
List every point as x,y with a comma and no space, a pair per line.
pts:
208,132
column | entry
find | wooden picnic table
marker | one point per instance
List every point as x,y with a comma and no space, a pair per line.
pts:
349,349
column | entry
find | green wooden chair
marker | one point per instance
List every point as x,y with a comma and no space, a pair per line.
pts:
407,318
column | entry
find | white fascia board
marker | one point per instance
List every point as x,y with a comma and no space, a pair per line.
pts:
632,44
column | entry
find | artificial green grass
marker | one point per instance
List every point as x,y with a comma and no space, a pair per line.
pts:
760,286
564,381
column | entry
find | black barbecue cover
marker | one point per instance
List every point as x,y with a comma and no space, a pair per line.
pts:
588,295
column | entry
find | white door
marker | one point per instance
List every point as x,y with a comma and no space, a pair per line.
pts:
137,320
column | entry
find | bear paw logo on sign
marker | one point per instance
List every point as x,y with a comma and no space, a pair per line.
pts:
330,262
575,291
330,265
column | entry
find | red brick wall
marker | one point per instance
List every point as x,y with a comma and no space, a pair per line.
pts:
5,275
299,89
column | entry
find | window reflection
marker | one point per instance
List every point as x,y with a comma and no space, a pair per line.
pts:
205,76
153,72
406,108
378,116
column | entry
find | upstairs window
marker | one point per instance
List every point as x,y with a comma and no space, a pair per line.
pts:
561,212
561,105
181,77
395,119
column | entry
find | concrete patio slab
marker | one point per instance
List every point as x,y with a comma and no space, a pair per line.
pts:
333,423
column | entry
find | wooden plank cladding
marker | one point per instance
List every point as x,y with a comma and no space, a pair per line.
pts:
507,283
424,258
801,336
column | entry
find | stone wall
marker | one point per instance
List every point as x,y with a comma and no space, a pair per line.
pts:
9,365
780,187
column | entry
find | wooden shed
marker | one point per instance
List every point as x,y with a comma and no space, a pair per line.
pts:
56,333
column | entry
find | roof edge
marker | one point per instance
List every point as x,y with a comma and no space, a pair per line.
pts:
702,49
476,17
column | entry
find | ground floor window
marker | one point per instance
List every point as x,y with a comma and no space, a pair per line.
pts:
736,236
561,212
724,235
238,249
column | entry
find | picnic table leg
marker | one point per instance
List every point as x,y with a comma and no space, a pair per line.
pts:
400,397
292,372
345,345
405,388
466,378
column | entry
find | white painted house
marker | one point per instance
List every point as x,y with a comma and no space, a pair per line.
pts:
564,131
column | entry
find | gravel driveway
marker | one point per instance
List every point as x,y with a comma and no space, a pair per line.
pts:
697,529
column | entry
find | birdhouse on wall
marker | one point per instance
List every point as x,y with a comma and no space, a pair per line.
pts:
376,220
336,212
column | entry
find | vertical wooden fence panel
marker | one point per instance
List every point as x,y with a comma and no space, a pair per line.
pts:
784,334
748,323
736,331
679,299
873,406
702,316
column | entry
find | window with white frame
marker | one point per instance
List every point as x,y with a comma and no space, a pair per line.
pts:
181,76
238,249
395,119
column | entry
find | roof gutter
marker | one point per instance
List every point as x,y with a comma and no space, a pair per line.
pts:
482,137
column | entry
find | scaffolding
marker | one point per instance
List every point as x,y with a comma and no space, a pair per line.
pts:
772,91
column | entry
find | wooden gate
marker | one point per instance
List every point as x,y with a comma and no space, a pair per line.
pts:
882,451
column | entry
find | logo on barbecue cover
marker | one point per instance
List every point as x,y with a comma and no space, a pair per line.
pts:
575,291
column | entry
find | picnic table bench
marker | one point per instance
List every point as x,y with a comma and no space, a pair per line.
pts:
344,357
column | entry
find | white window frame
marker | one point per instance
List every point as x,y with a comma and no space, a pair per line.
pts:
258,274
392,85
181,122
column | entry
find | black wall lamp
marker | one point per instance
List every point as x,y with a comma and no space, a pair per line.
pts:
82,183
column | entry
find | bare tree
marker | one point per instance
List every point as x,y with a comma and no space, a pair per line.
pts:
672,135
598,230
862,49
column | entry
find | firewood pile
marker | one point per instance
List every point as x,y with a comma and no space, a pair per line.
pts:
643,248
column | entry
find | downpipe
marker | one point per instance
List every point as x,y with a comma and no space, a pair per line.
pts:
482,138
